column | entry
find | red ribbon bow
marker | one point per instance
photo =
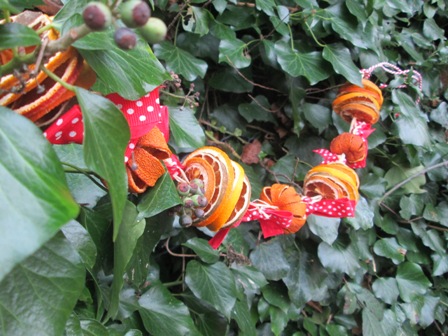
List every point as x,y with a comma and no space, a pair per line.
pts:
142,115
338,208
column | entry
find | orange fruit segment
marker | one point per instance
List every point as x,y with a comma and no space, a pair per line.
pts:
228,204
242,205
201,169
224,176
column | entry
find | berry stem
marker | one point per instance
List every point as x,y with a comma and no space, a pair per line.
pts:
67,39
57,79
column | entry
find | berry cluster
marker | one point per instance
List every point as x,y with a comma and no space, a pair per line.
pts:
193,201
135,14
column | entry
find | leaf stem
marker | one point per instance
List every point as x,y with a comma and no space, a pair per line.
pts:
314,36
76,170
57,79
402,183
65,41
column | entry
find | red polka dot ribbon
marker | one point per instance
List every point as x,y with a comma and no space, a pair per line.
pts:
175,167
329,157
338,208
141,114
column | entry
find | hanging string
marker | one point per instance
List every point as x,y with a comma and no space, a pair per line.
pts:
394,70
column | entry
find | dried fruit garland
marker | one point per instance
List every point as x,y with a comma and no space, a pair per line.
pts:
215,191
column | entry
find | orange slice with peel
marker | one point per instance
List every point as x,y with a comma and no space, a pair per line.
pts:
354,97
242,205
201,169
228,204
362,111
367,86
318,186
340,171
224,176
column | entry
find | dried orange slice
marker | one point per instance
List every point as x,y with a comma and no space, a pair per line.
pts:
368,86
224,176
242,205
321,186
201,169
362,111
225,209
354,97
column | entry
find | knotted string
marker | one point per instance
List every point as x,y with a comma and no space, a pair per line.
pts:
394,70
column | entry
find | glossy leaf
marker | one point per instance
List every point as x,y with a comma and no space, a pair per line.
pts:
131,229
318,115
386,289
411,281
338,257
389,248
326,228
398,174
163,314
81,241
54,273
310,65
212,283
342,63
186,132
363,215
34,199
106,127
234,52
17,35
181,61
161,197
203,249
270,260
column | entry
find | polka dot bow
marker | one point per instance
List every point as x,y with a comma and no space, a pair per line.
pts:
149,127
338,208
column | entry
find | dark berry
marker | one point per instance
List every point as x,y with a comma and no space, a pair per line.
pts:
185,220
135,13
199,213
188,202
154,31
183,189
125,38
97,16
197,186
199,200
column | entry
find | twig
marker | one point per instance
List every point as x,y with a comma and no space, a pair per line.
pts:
402,183
174,254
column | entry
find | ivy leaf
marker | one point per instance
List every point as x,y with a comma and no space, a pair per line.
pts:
81,241
202,20
131,229
389,248
187,134
411,281
269,259
310,65
398,174
234,53
267,6
241,314
34,199
363,216
319,116
162,196
325,228
212,283
163,314
203,249
339,56
181,61
130,73
386,289
17,35
338,257
105,140
53,274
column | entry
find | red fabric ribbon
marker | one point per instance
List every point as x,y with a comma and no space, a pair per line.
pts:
337,208
142,115
329,157
362,129
174,166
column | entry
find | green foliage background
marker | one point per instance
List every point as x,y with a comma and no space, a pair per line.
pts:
79,261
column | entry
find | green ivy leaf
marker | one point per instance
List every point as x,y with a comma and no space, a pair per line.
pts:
269,259
411,281
398,174
371,324
163,314
17,35
421,310
276,295
310,64
267,6
203,249
181,61
234,53
241,314
161,197
325,228
338,257
250,277
440,264
105,140
319,116
83,189
187,133
130,73
389,248
214,284
339,56
130,231
81,241
34,199
54,274
363,216
229,80
202,19
386,289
